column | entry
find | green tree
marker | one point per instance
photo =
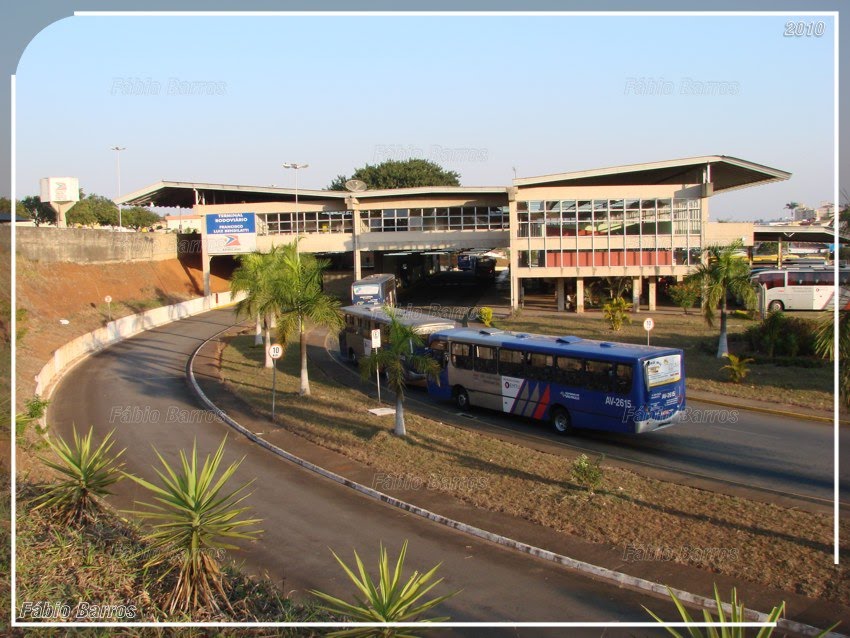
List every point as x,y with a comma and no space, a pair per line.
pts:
400,174
93,209
33,208
397,358
723,273
299,300
685,294
139,217
255,277
5,205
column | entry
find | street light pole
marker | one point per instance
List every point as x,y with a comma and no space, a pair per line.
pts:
118,150
295,167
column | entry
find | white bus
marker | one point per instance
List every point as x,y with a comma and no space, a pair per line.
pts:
375,289
355,340
803,288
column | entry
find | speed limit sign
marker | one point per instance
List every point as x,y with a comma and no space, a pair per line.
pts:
275,351
648,324
108,299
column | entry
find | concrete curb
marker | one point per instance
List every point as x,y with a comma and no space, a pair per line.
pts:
600,573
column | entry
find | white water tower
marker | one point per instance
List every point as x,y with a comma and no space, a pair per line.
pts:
61,193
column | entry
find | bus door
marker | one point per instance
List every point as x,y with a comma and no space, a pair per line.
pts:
440,388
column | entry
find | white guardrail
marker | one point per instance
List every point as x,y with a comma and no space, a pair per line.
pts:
78,349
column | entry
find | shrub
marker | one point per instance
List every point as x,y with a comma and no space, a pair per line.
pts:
387,600
737,367
616,313
782,336
685,294
736,615
587,473
89,472
486,316
196,519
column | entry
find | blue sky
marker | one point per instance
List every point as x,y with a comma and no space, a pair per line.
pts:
481,95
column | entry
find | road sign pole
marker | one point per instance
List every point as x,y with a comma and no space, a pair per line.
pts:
274,384
275,352
378,379
648,325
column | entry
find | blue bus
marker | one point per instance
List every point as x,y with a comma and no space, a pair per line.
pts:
568,381
378,289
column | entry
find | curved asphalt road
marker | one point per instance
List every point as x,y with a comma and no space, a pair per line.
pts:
138,387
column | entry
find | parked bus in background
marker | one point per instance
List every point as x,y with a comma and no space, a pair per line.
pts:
377,289
567,381
355,340
802,288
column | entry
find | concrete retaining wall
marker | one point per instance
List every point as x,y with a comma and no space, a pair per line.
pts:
89,246
118,330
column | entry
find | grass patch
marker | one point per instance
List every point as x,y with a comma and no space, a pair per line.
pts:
775,382
791,549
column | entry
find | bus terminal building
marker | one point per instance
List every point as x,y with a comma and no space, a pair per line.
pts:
641,221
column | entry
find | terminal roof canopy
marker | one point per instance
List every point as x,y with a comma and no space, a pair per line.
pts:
188,194
727,173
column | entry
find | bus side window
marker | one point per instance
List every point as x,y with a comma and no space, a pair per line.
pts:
462,356
623,378
569,371
539,367
511,362
599,376
485,359
773,280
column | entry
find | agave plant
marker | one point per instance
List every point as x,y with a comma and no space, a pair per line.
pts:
88,472
388,600
195,521
736,615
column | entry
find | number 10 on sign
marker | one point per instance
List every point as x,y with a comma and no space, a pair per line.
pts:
275,352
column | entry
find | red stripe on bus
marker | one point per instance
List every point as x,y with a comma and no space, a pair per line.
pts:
544,403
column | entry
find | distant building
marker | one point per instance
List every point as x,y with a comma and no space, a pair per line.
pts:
183,223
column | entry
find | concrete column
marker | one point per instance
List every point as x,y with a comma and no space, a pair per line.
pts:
579,294
651,292
636,288
205,262
358,270
559,293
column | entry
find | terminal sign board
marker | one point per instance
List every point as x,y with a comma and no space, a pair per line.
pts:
231,233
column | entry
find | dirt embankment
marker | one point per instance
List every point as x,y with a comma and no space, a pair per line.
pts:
48,293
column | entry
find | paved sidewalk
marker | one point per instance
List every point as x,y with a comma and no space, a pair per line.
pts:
799,608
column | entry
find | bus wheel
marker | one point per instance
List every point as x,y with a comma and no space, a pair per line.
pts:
461,398
776,306
352,357
561,421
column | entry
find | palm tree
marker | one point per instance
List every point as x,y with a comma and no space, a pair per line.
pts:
825,347
255,277
722,273
396,359
299,300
